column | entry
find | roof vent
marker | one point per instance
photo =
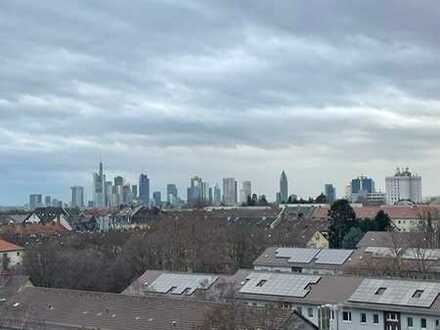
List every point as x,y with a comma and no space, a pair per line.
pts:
173,323
113,315
150,319
16,304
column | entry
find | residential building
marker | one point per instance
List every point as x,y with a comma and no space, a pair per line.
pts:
330,193
77,196
98,187
11,255
157,198
144,189
284,188
49,215
403,186
35,200
245,191
230,192
36,308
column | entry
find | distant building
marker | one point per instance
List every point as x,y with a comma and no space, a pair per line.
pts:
127,196
230,197
375,199
205,192
108,189
77,196
172,194
330,193
98,187
47,201
35,200
284,188
144,189
134,191
245,191
217,195
157,198
403,186
195,192
361,187
119,181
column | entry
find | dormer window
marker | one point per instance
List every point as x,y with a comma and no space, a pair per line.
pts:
417,294
380,291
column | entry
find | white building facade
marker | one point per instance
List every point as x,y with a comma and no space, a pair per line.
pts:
403,186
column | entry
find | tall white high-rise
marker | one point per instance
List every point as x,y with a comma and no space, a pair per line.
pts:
230,192
403,186
245,191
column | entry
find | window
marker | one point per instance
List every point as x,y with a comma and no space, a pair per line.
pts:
261,283
392,317
410,322
363,318
376,318
380,291
437,323
332,314
423,323
346,316
310,312
417,294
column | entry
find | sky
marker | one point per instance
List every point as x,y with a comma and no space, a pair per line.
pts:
326,90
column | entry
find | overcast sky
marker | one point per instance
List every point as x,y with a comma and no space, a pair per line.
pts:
326,90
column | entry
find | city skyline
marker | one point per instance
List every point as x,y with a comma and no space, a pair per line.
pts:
265,88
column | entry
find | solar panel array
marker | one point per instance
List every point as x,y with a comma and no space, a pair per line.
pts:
305,256
181,283
333,257
298,255
382,251
421,254
277,284
401,293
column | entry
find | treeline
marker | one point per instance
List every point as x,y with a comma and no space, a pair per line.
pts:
110,261
345,230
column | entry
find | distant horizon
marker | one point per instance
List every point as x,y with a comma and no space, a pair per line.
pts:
326,91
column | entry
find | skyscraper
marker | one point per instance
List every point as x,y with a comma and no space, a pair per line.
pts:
35,200
284,188
98,187
157,198
330,193
361,187
217,195
144,189
127,196
77,196
403,186
47,201
194,192
134,191
246,191
171,193
108,190
229,191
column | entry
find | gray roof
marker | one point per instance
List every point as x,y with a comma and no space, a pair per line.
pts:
393,239
70,309
11,285
279,257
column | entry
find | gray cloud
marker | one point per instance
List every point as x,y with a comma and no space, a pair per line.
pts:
325,90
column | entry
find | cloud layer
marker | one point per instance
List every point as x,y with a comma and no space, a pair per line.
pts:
325,90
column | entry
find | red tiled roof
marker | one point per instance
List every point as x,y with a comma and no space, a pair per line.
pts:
5,246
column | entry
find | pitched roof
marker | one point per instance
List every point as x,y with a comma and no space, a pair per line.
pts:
70,309
392,239
6,246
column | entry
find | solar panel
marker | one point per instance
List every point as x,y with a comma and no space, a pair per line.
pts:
421,254
401,293
298,255
276,284
382,251
181,283
332,256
